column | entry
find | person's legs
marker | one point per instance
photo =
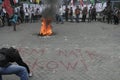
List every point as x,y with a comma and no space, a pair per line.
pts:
77,18
66,17
15,69
117,20
14,26
57,21
83,18
19,60
0,77
61,18
14,56
71,18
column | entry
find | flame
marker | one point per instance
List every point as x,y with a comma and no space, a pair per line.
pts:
46,28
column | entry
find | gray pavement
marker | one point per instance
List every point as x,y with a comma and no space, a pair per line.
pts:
76,51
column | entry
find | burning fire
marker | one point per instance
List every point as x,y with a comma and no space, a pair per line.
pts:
46,28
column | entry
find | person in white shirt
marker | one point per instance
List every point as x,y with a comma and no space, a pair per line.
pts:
61,15
27,15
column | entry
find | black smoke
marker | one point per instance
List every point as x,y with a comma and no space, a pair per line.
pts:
51,7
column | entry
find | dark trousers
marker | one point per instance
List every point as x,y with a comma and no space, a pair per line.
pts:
3,20
109,19
77,18
26,19
84,17
32,18
71,18
66,16
94,17
89,18
116,20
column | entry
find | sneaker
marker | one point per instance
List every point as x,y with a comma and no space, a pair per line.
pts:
30,74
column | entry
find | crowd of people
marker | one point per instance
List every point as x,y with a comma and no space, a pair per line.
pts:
29,14
32,14
112,16
76,15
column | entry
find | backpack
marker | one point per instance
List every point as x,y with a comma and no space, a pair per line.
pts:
3,59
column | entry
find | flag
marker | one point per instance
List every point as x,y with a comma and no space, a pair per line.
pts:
6,4
81,2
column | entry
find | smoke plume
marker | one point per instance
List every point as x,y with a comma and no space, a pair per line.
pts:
50,8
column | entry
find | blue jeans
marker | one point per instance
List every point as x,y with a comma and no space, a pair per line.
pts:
14,69
61,19
77,17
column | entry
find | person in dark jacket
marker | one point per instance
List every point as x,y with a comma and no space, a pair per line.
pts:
77,13
84,14
66,13
71,14
12,55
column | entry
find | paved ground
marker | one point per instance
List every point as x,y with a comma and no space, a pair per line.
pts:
76,51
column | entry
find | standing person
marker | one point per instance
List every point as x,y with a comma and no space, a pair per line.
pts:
22,14
77,13
14,20
8,56
104,13
37,11
84,13
32,15
66,13
94,13
116,16
61,15
109,14
8,19
90,14
3,15
26,15
57,16
71,14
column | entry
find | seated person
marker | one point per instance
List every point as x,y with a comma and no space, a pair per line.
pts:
11,55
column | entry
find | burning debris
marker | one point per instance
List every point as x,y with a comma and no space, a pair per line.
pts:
48,15
46,27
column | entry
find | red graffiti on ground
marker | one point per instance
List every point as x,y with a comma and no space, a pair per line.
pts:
55,64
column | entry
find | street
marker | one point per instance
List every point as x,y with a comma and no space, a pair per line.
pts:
76,51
